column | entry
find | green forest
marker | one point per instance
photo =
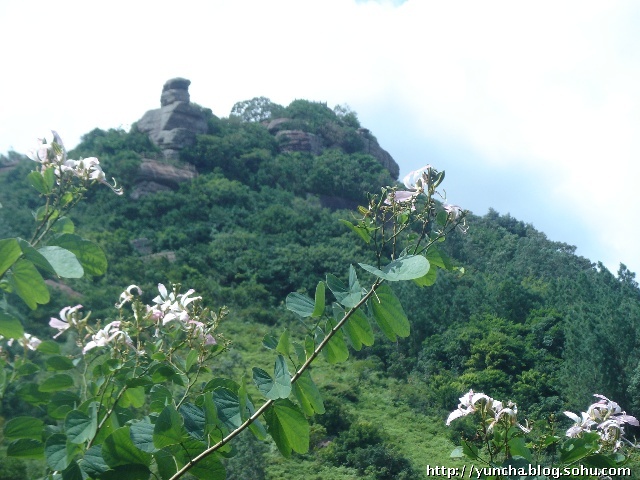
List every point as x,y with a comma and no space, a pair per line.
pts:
516,316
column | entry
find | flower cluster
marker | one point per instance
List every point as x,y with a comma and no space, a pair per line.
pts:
493,410
27,341
608,418
54,155
111,333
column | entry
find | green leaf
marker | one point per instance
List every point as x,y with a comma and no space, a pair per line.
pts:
336,350
404,268
441,218
35,257
281,387
60,381
300,304
160,398
228,407
194,420
48,347
23,427
39,182
247,410
438,258
73,472
318,307
360,230
29,284
10,326
518,447
134,397
26,368
358,330
457,452
270,342
58,363
92,463
284,344
471,451
55,451
63,225
428,279
288,427
118,449
9,252
168,428
209,468
62,403
81,427
142,436
90,255
30,393
308,395
26,448
64,262
349,297
388,313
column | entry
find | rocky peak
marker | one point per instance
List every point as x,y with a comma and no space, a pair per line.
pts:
176,123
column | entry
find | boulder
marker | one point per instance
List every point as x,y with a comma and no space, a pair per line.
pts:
176,123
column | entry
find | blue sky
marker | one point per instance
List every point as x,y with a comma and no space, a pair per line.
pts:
532,108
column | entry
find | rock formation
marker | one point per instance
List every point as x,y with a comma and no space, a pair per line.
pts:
372,147
176,123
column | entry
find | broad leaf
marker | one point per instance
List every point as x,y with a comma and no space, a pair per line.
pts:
29,284
284,344
388,313
127,472
35,257
56,453
81,427
361,231
288,427
92,462
347,296
40,181
336,350
168,428
23,427
9,252
270,388
228,407
10,326
358,330
118,449
26,448
308,395
64,262
403,268
194,420
318,307
300,304
142,436
89,254
60,381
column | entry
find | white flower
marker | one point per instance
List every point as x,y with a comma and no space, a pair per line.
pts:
170,307
68,317
28,341
48,153
417,179
127,295
467,405
107,335
454,211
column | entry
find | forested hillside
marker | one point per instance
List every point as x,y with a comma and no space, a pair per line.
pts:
523,318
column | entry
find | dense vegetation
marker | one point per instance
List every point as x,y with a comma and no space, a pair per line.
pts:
529,320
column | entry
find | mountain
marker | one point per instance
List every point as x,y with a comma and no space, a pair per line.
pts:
246,209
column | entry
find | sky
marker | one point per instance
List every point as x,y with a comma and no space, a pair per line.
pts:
532,108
